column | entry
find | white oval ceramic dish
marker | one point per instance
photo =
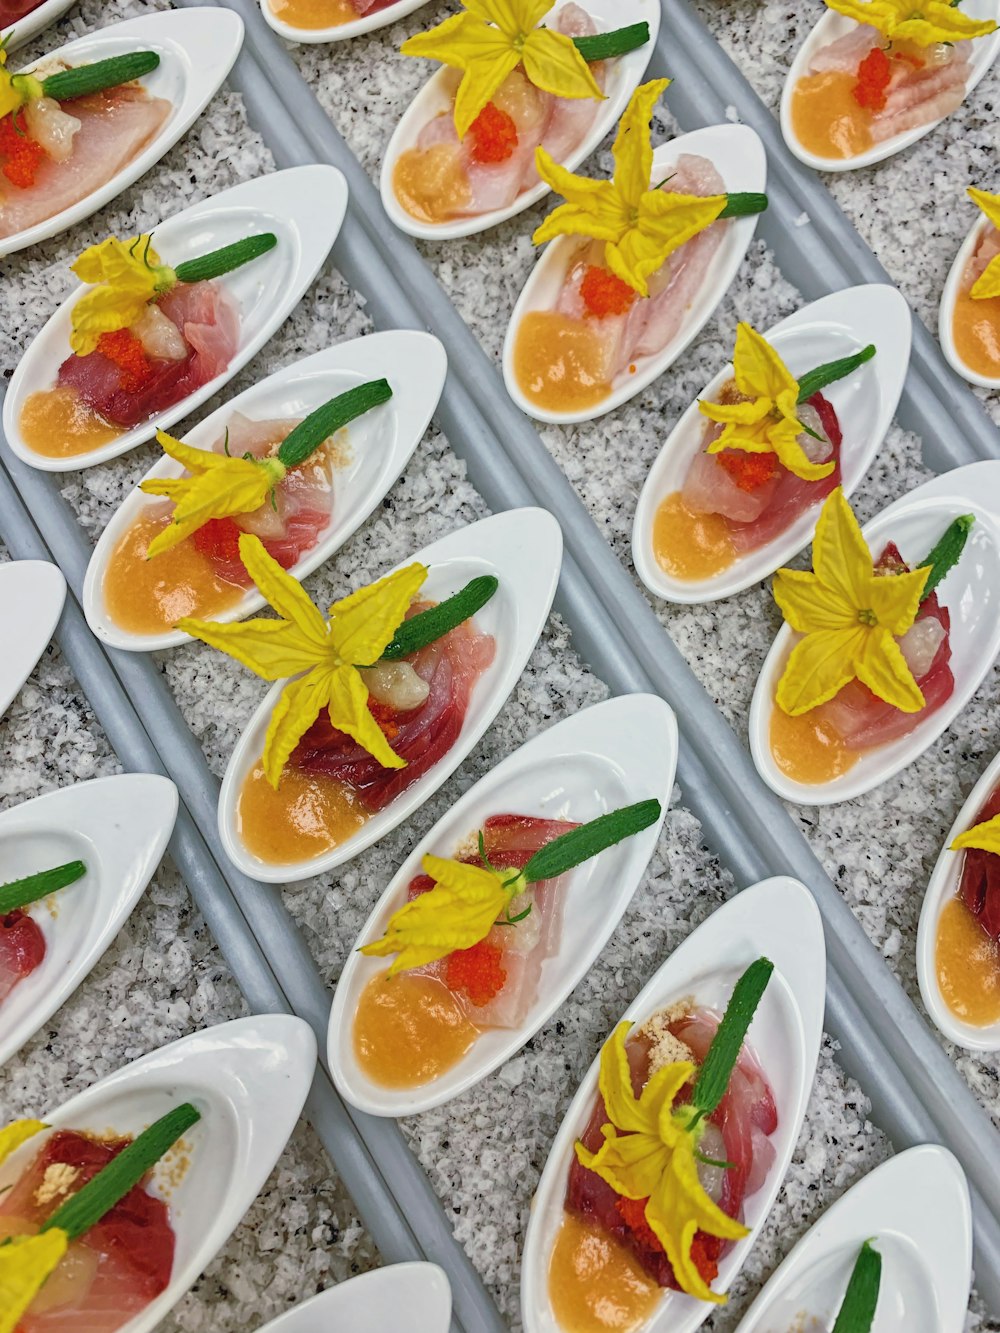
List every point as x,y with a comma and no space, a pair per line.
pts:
832,26
738,155
946,310
832,327
119,828
380,445
915,1209
942,887
303,207
197,49
340,32
603,758
32,594
623,78
523,548
249,1079
776,919
971,592
372,1302
32,24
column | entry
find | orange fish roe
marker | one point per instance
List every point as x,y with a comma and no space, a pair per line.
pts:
749,471
494,135
219,537
477,971
127,352
21,156
383,715
874,74
604,293
633,1214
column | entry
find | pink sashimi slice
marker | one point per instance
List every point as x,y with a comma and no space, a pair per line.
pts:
22,949
979,888
115,126
919,97
986,251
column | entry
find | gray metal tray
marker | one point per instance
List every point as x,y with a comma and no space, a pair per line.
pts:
916,1093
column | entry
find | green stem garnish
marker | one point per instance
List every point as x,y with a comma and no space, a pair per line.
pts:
815,380
102,74
580,844
857,1313
743,203
608,45
86,1208
434,623
218,262
714,1161
22,892
319,425
946,553
716,1071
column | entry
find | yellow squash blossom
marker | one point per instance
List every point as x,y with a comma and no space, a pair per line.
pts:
218,486
925,22
489,39
25,1264
649,1153
769,423
456,914
848,616
984,837
641,227
322,655
988,282
126,276
16,1133
15,89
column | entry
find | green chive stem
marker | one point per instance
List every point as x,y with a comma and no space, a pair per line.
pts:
580,844
86,1208
31,889
717,1069
815,380
609,45
743,203
434,623
319,425
947,553
857,1313
111,73
218,262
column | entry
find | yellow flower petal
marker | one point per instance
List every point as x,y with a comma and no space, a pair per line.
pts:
113,260
987,285
988,203
349,713
226,487
103,310
632,1164
553,63
127,274
926,24
283,592
985,837
363,625
25,1263
895,600
20,1131
299,705
272,649
482,77
808,605
882,667
739,414
633,151
593,208
820,665
664,222
841,556
759,370
456,914
10,99
784,439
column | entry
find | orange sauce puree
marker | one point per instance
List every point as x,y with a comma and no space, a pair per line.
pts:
56,424
976,329
808,749
430,183
595,1285
558,362
409,1029
150,596
827,119
313,14
307,815
688,545
967,962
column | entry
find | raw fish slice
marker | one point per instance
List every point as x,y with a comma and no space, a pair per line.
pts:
12,11
709,488
22,949
921,96
115,126
569,117
497,184
209,319
987,250
979,887
613,334
847,52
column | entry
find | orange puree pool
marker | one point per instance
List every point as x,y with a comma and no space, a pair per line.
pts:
809,749
595,1285
827,119
559,362
975,326
409,1029
313,13
306,816
150,596
967,962
56,424
688,545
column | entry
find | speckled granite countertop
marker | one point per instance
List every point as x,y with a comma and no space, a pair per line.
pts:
164,977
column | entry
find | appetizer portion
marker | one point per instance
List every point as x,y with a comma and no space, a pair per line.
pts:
271,478
646,248
975,320
471,941
967,945
513,88
143,338
678,1139
313,15
65,132
86,1242
386,687
770,451
872,659
22,943
901,66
